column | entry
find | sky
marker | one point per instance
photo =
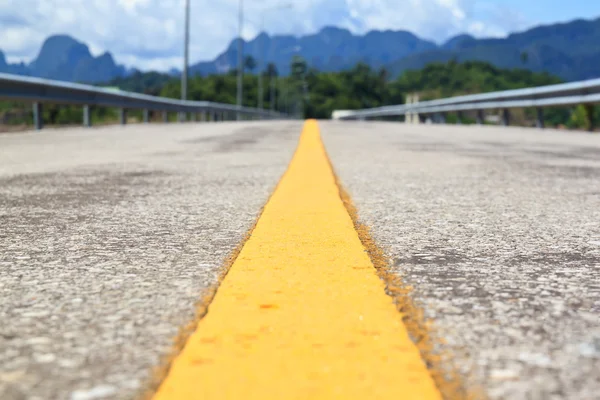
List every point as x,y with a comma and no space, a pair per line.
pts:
148,34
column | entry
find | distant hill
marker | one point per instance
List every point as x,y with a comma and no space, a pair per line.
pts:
569,50
331,49
64,58
20,69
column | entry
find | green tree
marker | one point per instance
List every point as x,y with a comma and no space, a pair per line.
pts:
298,67
271,70
579,118
249,63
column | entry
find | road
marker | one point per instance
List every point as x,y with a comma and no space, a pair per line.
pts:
110,236
498,231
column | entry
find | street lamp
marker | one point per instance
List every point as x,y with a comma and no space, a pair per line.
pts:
240,71
186,54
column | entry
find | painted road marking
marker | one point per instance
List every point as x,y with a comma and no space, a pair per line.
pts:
302,313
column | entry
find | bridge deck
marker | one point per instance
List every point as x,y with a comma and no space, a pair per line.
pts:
498,231
109,236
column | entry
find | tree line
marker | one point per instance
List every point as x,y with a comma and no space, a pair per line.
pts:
309,93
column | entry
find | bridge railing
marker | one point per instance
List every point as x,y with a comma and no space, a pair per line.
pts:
565,94
40,91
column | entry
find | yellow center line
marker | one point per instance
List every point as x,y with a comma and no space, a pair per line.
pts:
302,313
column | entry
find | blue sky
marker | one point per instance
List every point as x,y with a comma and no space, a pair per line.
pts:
548,11
148,33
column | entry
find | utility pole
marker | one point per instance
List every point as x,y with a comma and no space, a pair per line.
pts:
240,58
186,55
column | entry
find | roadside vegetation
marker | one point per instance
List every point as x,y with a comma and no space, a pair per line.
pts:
309,93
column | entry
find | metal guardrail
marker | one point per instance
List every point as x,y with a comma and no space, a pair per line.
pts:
565,94
39,91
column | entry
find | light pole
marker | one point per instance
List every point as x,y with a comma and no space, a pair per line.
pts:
261,63
240,71
186,55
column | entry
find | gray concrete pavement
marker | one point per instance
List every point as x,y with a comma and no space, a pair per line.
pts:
109,236
498,230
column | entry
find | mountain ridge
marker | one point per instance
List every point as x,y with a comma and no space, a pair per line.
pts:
62,57
570,50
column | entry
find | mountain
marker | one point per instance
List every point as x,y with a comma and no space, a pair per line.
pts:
456,42
19,69
64,58
331,49
569,50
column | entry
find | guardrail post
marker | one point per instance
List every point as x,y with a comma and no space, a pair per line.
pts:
38,116
123,116
540,118
480,117
165,116
505,117
413,117
146,115
182,116
193,116
87,118
203,116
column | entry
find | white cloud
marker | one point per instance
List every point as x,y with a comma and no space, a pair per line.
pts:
148,33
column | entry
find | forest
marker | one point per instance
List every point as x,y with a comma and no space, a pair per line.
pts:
309,93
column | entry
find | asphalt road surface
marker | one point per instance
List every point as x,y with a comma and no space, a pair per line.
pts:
109,236
498,231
